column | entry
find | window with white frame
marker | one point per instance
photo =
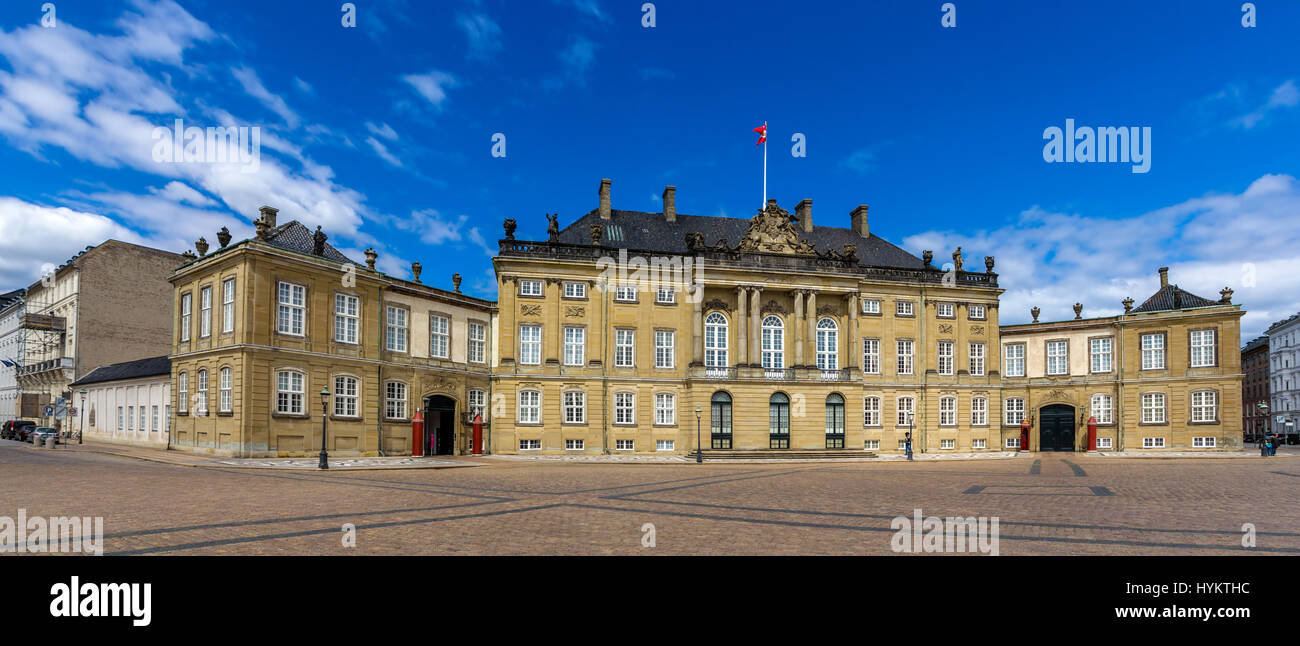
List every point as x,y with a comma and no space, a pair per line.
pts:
130,418
624,348
396,329
715,340
289,388
575,346
1202,348
347,318
625,292
906,407
979,411
1013,442
773,342
530,407
947,444
167,417
904,357
224,403
871,445
1102,408
1205,406
1103,443
121,419
664,342
439,336
665,295
624,445
183,392
575,407
345,396
1057,357
828,344
477,404
530,288
291,308
575,290
1153,351
1015,359
1014,411
871,411
186,304
944,310
477,343
154,418
205,312
530,445
1153,442
573,445
1099,351
664,445
201,393
871,356
1203,442
978,443
1153,408
870,306
395,400
624,408
975,312
665,408
530,345
977,359
228,306
947,411
945,357
903,308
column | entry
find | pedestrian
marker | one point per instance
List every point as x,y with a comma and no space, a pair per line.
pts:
1272,445
1263,446
907,445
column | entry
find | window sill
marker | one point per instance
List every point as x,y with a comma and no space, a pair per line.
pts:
291,415
338,418
225,413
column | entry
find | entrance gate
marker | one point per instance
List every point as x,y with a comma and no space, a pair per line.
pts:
1056,428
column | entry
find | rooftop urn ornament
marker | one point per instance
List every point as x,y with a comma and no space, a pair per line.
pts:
189,255
988,263
1035,312
1078,311
223,237
416,268
202,246
318,241
553,227
510,226
928,257
1225,296
956,259
596,232
455,281
371,256
263,228
1128,304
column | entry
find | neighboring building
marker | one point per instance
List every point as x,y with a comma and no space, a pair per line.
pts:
264,324
1164,375
121,290
1255,387
125,403
11,351
1284,370
782,334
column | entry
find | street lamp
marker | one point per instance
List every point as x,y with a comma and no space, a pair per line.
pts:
81,431
1263,411
699,448
324,401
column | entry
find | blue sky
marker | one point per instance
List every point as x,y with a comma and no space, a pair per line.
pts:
382,133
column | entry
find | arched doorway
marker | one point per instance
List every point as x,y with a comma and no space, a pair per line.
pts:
1056,428
439,425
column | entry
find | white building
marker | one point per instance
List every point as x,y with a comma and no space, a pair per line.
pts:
125,403
12,307
1284,372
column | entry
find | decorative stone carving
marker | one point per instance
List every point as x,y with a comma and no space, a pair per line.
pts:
988,263
189,255
455,282
263,228
553,227
530,310
826,309
977,330
371,257
945,328
596,232
1058,394
202,246
575,311
440,383
717,304
1225,296
510,226
694,240
318,242
1035,312
416,268
1078,311
223,237
771,231
928,257
772,307
957,259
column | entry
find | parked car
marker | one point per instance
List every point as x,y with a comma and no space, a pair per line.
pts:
40,433
14,429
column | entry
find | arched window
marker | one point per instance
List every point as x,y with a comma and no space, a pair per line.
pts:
223,392
828,343
778,415
715,340
834,421
773,343
721,420
289,388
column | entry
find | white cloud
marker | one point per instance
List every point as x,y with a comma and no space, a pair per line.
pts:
32,235
590,8
432,86
1286,95
576,61
253,86
484,35
1249,242
383,130
382,150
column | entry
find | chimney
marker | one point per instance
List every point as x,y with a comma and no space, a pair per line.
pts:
268,215
670,203
859,220
604,199
1164,277
803,211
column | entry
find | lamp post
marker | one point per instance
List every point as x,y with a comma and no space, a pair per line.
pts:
699,448
81,430
1263,411
324,401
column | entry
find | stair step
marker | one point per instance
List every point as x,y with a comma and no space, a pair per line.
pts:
784,454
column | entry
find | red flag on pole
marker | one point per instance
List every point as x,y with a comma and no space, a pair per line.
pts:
762,134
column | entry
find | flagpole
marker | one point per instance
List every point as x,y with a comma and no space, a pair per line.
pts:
764,204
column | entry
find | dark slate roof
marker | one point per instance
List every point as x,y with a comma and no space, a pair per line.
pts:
129,370
293,236
7,298
1164,300
639,230
1255,343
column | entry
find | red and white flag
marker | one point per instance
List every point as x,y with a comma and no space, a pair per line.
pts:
762,133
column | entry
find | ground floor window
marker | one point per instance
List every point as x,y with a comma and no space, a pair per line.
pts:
778,421
1153,442
947,444
1013,442
575,407
573,445
871,445
1015,411
664,445
835,421
530,445
1203,442
902,445
720,423
1103,443
624,445
395,400
978,444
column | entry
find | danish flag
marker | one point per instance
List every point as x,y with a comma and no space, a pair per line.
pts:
762,133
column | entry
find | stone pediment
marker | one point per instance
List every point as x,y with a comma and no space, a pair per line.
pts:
772,231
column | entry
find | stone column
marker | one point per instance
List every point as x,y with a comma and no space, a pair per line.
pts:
697,330
755,328
810,312
796,328
740,329
853,341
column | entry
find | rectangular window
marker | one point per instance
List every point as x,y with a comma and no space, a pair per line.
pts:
978,444
228,306
979,411
121,424
345,397
223,392
663,348
205,312
1153,408
1202,348
291,309
1015,359
530,288
1153,352
395,400
1205,406
439,336
1203,442
530,406
870,306
1153,442
624,445
575,407
947,444
945,357
665,295
904,357
575,346
1102,409
1103,443
478,404
477,343
530,445
623,348
288,392
1013,442
154,418
1015,411
625,293
871,411
905,410
167,415
871,356
347,317
1100,353
903,308
871,445
945,310
575,290
665,408
185,316
573,445
396,329
624,412
977,359
530,345
664,445
1057,360
975,312
947,411
183,392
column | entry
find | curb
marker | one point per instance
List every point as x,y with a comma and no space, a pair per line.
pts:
261,468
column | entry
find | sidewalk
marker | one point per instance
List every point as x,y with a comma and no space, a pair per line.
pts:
662,459
181,458
1251,451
